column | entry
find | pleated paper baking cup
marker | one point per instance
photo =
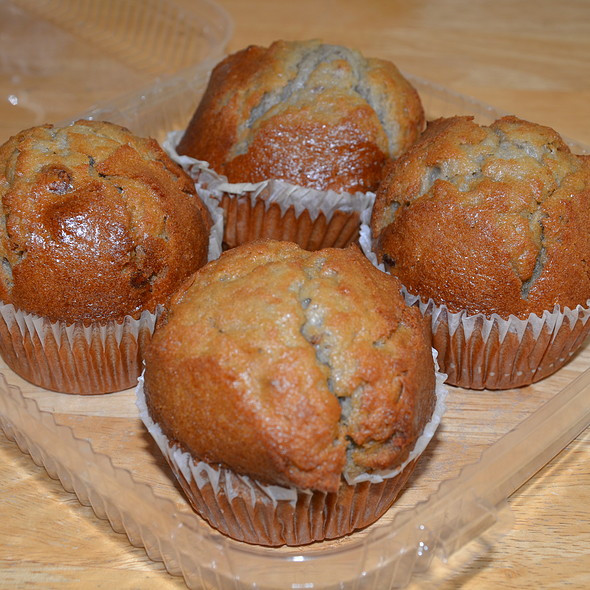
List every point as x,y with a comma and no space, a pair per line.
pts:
490,352
276,209
480,352
75,358
272,515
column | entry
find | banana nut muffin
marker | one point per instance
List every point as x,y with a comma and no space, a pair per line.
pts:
488,220
97,225
313,114
294,369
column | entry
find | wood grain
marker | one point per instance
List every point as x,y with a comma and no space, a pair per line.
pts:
526,57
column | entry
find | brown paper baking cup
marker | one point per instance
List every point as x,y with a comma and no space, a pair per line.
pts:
481,352
250,511
74,358
247,513
276,209
248,220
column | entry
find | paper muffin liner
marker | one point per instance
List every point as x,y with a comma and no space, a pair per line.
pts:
276,209
491,352
99,357
480,352
75,358
273,515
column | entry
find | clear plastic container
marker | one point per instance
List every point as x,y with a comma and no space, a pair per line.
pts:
487,446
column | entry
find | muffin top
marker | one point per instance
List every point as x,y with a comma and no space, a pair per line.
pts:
488,219
96,223
316,115
292,367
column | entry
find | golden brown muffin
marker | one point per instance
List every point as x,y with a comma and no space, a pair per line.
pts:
316,115
97,223
292,367
488,219
291,392
99,228
488,226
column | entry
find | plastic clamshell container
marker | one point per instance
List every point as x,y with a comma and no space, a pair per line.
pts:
487,446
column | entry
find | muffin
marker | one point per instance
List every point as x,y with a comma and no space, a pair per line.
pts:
487,228
291,392
319,117
99,228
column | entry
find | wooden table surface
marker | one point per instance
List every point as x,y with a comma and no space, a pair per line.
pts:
527,57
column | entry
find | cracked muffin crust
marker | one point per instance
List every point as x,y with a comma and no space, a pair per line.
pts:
316,115
292,367
96,223
488,219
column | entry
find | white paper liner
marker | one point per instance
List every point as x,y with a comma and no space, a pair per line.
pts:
73,357
202,473
33,325
336,208
550,322
216,232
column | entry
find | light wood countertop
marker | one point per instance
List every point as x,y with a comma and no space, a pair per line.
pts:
530,58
